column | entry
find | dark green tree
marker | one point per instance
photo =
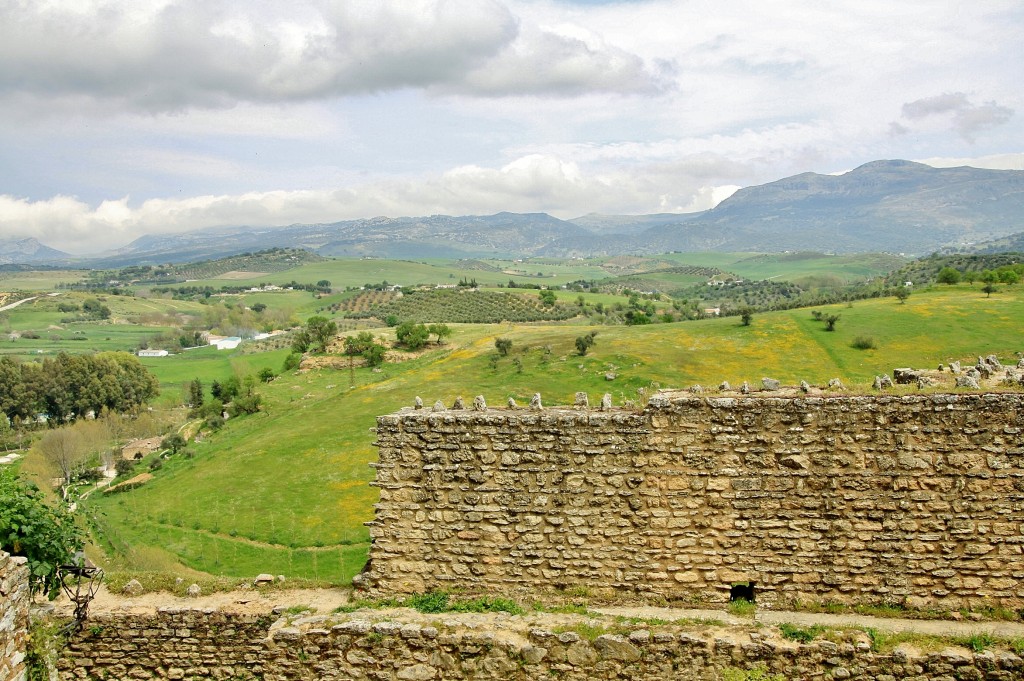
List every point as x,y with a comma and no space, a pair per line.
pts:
173,442
96,309
948,275
503,345
413,336
321,331
195,393
584,343
440,330
746,316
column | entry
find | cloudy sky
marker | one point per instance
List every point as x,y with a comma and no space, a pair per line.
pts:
125,117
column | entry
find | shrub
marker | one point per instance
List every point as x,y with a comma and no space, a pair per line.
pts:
863,343
292,361
795,633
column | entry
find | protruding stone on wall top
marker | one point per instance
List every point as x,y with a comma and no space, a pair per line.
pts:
745,388
194,591
418,404
836,384
905,375
438,406
770,384
535,402
966,381
804,386
581,401
882,382
696,389
724,386
512,403
133,588
606,402
659,401
954,367
479,404
459,403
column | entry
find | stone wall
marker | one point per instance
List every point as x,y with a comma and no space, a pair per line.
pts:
405,646
856,499
14,605
171,644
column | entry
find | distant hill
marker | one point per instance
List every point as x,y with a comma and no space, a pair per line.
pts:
894,206
630,224
443,236
890,206
1008,244
269,260
28,251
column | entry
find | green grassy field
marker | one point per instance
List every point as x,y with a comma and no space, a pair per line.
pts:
132,321
792,266
285,490
39,280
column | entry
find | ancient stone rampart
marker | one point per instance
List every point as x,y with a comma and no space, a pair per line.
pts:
14,605
856,499
397,645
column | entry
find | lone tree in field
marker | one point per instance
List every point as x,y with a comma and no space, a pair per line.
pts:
830,321
442,331
989,288
584,343
503,345
746,316
948,275
901,293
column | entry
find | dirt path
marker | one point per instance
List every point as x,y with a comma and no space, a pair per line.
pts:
262,600
323,601
806,619
16,303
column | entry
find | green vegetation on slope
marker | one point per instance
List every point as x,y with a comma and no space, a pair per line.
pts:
286,490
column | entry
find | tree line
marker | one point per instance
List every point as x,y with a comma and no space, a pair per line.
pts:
67,387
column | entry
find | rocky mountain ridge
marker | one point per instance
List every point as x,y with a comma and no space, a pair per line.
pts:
883,206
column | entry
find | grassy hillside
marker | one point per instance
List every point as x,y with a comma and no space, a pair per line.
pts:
131,321
792,266
285,491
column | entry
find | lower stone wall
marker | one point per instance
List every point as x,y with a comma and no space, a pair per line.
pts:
14,604
404,645
171,644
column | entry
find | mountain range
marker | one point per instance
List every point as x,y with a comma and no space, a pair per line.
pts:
28,251
890,206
